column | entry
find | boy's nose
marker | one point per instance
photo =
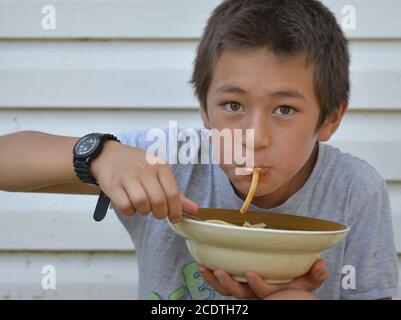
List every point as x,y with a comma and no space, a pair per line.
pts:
261,132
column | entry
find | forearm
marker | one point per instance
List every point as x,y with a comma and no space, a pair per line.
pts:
31,160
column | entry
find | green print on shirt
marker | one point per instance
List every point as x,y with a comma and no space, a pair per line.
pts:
195,286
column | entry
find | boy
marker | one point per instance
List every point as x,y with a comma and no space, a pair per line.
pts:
282,69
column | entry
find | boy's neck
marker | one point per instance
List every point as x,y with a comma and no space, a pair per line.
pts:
282,194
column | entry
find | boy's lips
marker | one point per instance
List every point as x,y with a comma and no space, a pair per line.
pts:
247,172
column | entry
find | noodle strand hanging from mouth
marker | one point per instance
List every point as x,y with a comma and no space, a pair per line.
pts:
251,192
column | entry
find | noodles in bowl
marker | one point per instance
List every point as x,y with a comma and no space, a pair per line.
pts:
246,224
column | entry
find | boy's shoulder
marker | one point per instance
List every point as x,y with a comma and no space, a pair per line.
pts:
352,173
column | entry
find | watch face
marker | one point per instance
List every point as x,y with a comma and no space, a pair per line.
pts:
86,145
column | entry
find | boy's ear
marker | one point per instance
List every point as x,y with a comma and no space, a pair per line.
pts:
205,117
331,124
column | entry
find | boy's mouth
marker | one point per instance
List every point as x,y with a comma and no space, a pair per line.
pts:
247,172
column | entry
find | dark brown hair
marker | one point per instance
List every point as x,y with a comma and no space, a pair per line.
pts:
286,28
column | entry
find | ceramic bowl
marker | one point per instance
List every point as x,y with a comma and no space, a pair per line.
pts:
285,249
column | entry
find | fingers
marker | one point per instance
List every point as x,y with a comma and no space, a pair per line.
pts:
260,287
257,287
317,275
138,197
132,181
211,279
121,201
188,205
318,265
175,200
171,192
159,196
156,196
233,287
308,282
222,282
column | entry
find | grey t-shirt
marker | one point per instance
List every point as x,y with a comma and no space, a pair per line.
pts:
341,188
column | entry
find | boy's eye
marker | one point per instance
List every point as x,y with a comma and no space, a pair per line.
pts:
233,107
285,110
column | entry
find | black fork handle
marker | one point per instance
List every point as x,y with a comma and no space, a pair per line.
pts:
101,207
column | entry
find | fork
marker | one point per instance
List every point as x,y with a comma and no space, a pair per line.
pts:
190,216
103,204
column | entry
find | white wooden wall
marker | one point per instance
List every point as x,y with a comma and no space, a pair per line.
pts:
113,66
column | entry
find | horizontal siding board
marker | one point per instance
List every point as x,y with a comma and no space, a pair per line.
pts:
153,75
57,222
357,126
183,19
140,19
77,89
153,89
372,89
155,55
78,275
375,19
96,55
80,122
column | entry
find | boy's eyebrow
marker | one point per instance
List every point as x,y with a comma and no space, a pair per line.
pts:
282,93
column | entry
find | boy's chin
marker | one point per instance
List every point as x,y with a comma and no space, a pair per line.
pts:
261,190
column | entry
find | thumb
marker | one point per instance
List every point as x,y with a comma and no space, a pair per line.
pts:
188,205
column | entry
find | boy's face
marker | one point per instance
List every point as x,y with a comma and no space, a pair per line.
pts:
278,101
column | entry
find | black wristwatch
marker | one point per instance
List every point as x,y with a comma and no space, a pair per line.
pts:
85,150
